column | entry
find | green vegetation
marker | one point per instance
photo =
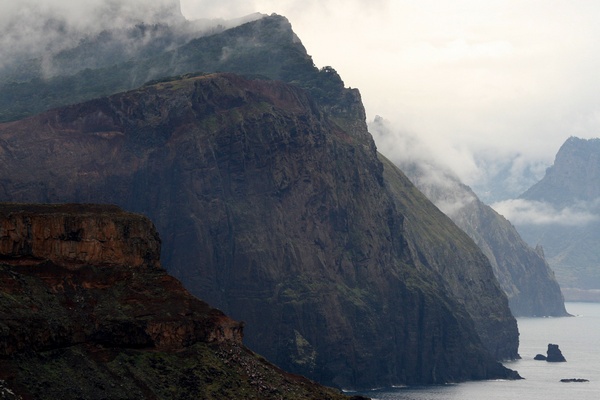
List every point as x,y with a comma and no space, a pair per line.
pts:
202,371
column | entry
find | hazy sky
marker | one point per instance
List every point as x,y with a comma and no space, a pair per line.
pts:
476,81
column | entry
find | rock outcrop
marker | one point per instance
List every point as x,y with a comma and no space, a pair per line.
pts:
86,311
276,209
554,354
77,235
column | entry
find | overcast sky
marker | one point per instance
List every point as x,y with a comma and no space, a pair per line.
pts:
473,79
475,82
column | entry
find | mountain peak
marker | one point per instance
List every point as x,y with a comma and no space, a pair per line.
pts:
574,176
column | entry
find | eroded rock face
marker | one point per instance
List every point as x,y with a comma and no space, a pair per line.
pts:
92,274
86,311
278,211
74,235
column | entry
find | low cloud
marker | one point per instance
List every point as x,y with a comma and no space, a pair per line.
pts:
418,160
528,212
38,28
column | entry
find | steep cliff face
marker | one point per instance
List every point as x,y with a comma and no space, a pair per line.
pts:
86,311
278,211
523,273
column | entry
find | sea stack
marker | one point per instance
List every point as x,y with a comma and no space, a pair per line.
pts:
554,354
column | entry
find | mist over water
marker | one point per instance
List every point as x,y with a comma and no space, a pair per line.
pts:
579,341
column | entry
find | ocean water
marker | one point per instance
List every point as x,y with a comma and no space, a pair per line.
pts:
579,341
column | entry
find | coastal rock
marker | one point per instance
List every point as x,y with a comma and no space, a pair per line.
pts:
86,311
575,380
283,216
540,357
554,354
273,205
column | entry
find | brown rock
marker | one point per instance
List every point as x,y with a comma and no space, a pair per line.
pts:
101,270
86,311
74,235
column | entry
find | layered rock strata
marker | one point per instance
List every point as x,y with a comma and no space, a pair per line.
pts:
86,311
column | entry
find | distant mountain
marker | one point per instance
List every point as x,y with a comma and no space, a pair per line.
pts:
562,214
523,273
505,178
573,178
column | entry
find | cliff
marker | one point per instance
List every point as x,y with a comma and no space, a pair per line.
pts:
86,311
276,209
523,273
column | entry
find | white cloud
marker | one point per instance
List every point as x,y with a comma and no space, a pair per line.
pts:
527,212
420,165
29,28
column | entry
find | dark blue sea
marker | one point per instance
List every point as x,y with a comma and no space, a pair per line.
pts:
579,341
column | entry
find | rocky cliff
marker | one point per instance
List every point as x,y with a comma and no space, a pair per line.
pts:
568,199
522,271
276,209
86,311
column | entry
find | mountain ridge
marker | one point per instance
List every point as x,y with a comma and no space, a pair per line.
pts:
267,47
